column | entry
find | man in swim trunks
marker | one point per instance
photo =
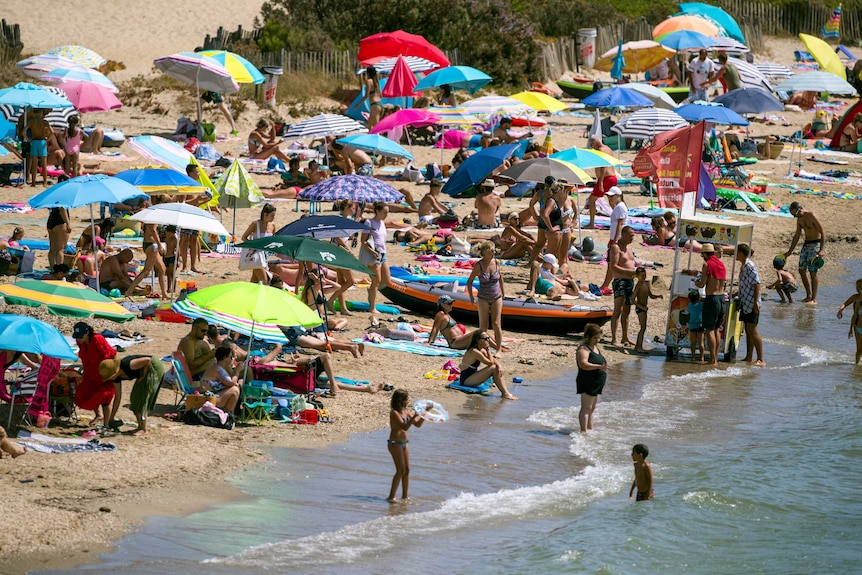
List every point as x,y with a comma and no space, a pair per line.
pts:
749,304
352,160
112,272
430,203
812,247
199,355
712,277
606,178
487,205
39,131
621,260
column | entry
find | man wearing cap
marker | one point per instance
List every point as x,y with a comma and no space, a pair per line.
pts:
811,254
619,215
199,355
621,261
712,278
544,281
93,393
749,304
606,178
487,205
430,203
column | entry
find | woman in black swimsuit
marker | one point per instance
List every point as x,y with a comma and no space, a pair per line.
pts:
372,94
400,420
147,372
592,374
473,374
59,229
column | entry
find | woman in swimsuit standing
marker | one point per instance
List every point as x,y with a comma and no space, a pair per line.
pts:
592,374
372,94
372,253
261,228
478,354
154,251
59,229
856,321
491,291
72,137
400,420
560,218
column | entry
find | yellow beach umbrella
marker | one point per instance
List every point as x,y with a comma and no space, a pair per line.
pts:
640,56
825,55
540,102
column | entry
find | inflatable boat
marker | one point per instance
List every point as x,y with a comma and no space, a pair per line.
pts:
582,90
519,314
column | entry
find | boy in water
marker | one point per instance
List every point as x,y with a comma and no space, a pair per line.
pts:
642,295
785,284
643,474
695,323
856,320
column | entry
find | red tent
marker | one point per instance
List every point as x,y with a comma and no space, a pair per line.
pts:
846,120
399,43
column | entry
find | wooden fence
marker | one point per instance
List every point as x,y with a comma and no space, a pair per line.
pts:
793,18
10,43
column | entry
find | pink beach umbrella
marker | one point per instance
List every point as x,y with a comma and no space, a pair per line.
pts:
401,81
407,117
89,97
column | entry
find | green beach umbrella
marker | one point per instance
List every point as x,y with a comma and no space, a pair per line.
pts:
257,303
308,250
64,299
237,189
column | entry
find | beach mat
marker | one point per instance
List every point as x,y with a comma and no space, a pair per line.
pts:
481,388
414,348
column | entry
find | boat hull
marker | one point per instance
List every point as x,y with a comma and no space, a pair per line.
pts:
580,91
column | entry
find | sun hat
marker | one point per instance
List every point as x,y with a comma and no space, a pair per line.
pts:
445,299
707,249
816,264
614,191
551,259
109,369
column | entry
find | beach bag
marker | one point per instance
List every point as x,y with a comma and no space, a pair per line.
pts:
209,418
207,152
192,144
459,246
433,172
209,132
184,124
411,173
250,259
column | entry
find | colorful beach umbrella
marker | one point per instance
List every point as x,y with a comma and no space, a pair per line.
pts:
203,72
716,15
685,22
80,55
64,299
586,158
36,66
477,167
60,75
750,101
826,57
384,66
242,71
686,40
640,56
647,122
376,144
398,43
750,75
58,118
256,303
161,180
351,187
324,125
456,77
454,116
89,97
307,249
236,189
30,335
407,117
86,191
540,168
268,332
401,81
540,102
616,97
159,150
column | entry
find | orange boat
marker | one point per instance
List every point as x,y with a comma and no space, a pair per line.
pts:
519,314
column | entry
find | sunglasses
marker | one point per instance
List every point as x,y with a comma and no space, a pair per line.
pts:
486,338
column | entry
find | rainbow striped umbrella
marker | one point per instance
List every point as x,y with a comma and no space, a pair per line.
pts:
64,299
243,71
454,116
267,332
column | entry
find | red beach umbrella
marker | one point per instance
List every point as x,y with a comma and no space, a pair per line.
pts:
401,81
399,43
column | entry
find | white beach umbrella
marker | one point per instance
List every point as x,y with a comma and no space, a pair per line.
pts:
728,45
185,216
647,122
324,125
816,82
774,71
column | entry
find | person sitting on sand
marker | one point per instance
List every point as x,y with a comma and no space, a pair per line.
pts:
545,281
501,132
478,364
849,140
7,446
315,173
352,160
322,362
456,334
515,243
221,378
805,100
263,142
86,263
430,203
112,274
819,128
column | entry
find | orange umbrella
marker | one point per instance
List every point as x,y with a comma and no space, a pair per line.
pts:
685,22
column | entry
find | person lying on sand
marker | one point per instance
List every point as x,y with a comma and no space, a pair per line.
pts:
7,446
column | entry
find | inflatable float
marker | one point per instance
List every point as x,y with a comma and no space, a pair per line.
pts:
518,314
582,90
114,137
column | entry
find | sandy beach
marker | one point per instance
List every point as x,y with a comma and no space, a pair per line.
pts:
65,509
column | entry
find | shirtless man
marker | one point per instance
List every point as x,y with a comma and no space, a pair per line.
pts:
501,132
487,205
352,160
622,263
849,140
40,131
112,273
812,247
199,354
606,178
430,203
712,277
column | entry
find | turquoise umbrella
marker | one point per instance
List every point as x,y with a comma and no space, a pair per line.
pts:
376,144
457,77
717,15
27,334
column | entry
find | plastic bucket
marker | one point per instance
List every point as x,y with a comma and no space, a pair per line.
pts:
587,41
270,85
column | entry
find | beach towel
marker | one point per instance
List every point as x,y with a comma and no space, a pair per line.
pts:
47,444
481,388
16,208
145,391
414,348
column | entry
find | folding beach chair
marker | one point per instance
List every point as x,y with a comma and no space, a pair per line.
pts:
181,377
256,403
728,173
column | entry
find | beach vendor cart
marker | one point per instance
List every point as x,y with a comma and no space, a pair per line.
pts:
719,232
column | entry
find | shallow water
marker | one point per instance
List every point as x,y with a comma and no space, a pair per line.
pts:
754,472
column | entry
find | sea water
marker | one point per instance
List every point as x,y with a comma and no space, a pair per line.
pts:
755,471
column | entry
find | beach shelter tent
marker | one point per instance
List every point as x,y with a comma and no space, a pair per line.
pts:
237,189
846,119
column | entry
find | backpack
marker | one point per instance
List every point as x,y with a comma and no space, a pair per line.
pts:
207,418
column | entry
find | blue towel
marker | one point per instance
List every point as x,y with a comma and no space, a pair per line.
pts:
413,347
482,388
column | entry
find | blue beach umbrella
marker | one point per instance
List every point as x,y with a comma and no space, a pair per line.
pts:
617,97
457,77
477,167
750,101
161,179
376,144
323,227
710,112
351,187
716,15
27,334
619,63
86,191
27,94
686,40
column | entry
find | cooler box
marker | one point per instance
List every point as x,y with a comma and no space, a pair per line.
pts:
298,380
170,316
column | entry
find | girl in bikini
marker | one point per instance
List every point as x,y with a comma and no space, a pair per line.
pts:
400,420
154,252
372,94
491,291
263,227
372,253
455,334
856,320
559,213
263,143
478,364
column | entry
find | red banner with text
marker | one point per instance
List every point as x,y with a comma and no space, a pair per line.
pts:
675,158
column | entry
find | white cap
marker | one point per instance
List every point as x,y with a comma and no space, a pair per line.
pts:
550,259
489,183
614,191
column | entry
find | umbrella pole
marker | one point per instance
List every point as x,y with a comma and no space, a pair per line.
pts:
248,353
325,311
95,247
172,287
200,106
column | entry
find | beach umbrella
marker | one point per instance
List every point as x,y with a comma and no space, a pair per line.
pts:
183,216
307,249
750,101
477,167
585,158
816,82
826,57
268,332
89,97
540,102
686,40
241,70
728,45
454,116
64,299
540,168
30,335
749,75
716,15
202,71
488,105
60,75
323,227
685,22
616,97
457,77
351,187
161,151
710,112
619,63
161,180
58,118
773,71
384,66
238,190
407,117
80,55
398,43
658,97
401,81
324,125
36,66
24,94
646,123
377,145
640,56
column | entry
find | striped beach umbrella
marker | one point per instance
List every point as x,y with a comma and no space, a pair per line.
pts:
454,116
64,299
160,150
161,180
57,117
59,75
816,82
243,71
267,332
728,45
36,66
646,123
324,125
493,104
351,187
774,71
80,55
749,75
414,63
585,158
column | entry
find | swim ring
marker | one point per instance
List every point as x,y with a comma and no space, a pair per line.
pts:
431,411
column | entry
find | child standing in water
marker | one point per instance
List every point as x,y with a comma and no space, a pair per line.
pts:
643,474
695,323
400,420
642,295
856,320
